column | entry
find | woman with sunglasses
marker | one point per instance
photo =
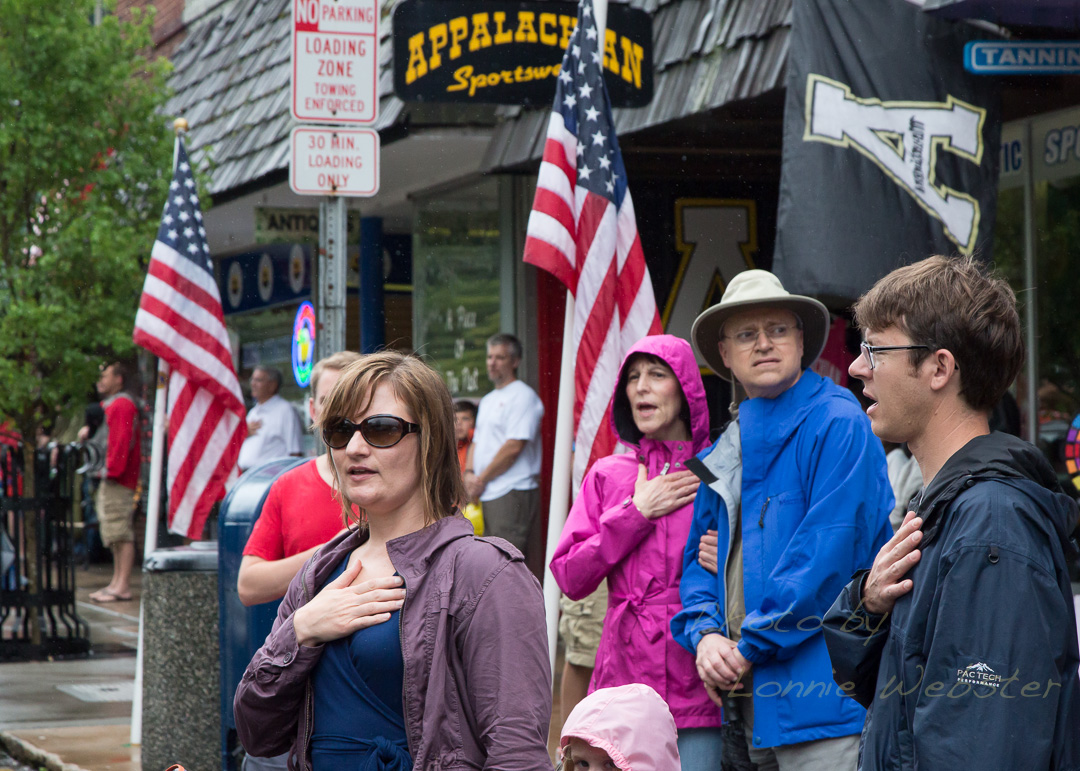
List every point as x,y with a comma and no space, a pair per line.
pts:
629,526
406,642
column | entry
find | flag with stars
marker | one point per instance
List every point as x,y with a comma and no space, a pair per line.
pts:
180,321
583,231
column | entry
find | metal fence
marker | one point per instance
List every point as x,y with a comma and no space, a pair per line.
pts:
38,618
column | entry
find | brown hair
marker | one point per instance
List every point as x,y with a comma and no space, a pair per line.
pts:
957,304
427,398
126,372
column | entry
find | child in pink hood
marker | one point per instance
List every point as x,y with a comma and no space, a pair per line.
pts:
626,728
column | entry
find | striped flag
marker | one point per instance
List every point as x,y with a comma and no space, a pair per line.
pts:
582,230
180,321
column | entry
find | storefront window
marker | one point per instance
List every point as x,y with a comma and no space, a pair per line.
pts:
456,269
1057,260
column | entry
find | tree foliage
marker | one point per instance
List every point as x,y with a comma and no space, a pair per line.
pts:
84,165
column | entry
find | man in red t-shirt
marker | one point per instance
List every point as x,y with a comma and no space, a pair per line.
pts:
301,512
116,495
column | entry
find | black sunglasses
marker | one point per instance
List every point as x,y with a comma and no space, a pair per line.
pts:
377,430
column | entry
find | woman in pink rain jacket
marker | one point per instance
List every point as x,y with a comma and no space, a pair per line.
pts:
629,525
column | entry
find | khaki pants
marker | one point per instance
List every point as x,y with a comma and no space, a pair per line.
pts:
116,513
580,626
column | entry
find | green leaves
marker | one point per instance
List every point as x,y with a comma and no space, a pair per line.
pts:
84,159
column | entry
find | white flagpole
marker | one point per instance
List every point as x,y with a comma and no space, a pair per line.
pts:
600,9
564,435
153,496
560,476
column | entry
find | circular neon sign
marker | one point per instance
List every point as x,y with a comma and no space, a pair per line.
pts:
303,344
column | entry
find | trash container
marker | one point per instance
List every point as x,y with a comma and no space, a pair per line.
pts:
180,659
243,629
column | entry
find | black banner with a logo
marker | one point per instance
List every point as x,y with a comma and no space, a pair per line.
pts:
890,147
499,52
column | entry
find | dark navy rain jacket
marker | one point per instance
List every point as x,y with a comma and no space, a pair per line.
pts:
976,667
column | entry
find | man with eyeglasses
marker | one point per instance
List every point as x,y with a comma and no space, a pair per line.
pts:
961,638
504,474
796,494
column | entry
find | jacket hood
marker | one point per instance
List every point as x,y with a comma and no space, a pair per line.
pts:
631,723
678,355
1001,456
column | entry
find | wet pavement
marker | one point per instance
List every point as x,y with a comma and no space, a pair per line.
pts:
77,711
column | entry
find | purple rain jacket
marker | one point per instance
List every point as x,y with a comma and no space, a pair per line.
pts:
473,638
606,537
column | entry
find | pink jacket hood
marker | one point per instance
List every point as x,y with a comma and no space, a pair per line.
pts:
631,723
678,355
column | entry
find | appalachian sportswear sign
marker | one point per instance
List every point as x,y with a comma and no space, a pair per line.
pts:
499,52
890,148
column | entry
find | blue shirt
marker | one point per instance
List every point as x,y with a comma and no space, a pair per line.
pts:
359,715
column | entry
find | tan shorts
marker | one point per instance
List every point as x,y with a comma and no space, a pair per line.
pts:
115,510
580,626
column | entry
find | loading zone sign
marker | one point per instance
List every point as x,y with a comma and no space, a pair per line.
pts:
334,161
335,60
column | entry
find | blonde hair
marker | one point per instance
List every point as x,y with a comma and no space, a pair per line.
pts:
335,361
423,393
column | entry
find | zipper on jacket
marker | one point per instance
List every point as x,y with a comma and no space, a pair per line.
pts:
664,470
761,519
404,669
309,699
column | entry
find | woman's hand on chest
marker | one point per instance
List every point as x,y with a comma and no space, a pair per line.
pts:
663,494
350,602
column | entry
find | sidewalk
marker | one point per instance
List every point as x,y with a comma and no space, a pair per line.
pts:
76,713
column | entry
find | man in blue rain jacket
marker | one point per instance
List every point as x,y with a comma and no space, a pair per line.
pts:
796,489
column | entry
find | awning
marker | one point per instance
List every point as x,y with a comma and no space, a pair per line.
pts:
1064,14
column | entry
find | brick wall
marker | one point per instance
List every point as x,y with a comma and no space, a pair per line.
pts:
169,27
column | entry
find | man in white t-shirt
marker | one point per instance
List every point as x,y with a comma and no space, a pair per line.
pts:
274,429
504,472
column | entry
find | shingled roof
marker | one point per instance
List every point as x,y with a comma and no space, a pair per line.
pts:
231,80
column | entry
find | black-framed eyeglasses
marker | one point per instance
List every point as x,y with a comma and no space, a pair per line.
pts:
870,350
378,431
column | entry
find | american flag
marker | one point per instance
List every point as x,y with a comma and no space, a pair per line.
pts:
180,320
582,230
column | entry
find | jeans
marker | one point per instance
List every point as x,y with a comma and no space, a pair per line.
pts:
700,749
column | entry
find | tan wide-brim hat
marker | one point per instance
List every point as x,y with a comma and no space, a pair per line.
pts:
758,289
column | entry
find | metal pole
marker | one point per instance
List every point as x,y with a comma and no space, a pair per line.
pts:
153,514
1031,305
333,257
564,438
153,493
